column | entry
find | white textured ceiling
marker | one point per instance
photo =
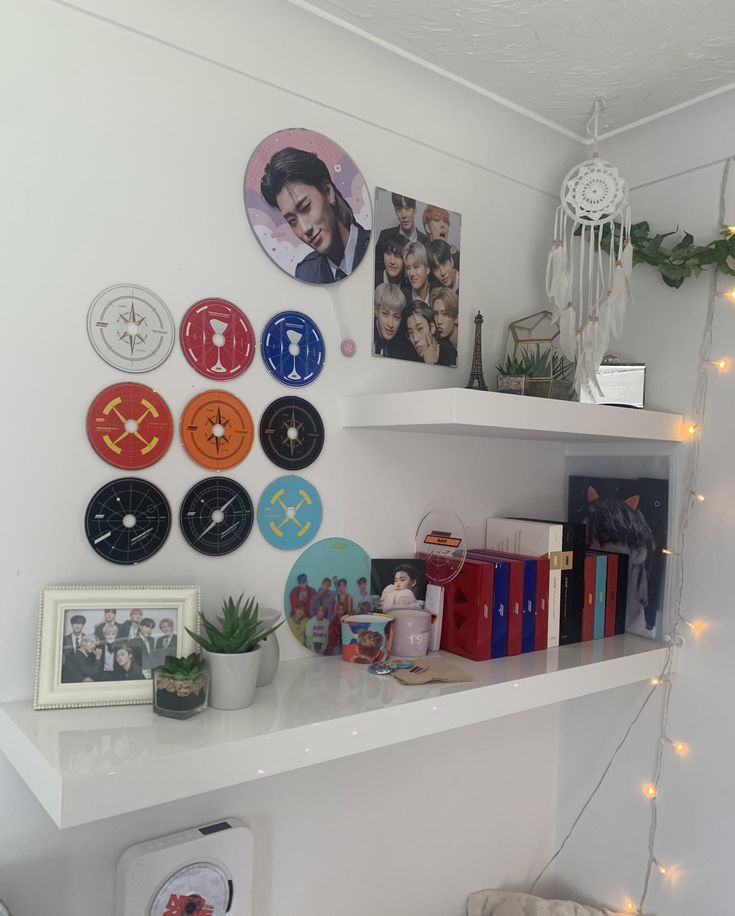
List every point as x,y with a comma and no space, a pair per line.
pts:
552,58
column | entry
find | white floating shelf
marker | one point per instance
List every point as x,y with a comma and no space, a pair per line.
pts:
466,412
127,758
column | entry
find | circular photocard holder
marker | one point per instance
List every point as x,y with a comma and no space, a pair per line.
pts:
308,205
441,540
315,600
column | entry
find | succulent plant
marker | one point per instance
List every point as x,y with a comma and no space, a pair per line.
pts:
538,363
183,668
237,629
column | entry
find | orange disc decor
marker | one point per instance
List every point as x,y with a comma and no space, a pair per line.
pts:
216,430
129,426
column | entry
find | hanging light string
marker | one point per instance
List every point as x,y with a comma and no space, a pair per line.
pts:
674,639
690,486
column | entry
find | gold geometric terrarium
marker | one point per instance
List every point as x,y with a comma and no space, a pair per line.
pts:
533,341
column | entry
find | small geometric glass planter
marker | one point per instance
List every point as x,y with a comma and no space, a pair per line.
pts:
511,384
179,698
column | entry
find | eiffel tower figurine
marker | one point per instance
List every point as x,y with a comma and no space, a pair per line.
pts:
477,380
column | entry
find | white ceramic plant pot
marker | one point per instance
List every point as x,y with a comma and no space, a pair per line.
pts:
232,678
270,653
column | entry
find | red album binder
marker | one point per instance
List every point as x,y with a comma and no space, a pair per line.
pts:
468,612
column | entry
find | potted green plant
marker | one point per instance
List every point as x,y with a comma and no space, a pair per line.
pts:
549,375
539,373
512,375
180,686
232,649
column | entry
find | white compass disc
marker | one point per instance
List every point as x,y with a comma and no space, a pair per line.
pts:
131,328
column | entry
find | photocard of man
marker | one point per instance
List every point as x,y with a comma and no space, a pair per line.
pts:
416,300
400,583
308,206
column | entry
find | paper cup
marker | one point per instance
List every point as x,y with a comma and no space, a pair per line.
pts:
366,638
411,633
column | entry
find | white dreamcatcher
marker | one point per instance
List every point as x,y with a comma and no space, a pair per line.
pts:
589,289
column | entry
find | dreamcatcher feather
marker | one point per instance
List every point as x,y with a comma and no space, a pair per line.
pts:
589,289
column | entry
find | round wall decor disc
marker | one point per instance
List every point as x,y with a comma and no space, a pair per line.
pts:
305,233
216,516
129,425
291,433
131,328
216,430
293,349
217,339
313,583
289,512
127,520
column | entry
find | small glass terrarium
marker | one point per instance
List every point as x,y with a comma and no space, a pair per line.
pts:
532,351
180,687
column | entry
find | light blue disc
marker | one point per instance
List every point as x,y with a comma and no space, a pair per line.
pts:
289,512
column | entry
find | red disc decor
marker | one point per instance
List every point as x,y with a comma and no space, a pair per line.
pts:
216,430
217,339
129,425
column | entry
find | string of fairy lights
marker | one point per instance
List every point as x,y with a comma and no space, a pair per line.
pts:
679,624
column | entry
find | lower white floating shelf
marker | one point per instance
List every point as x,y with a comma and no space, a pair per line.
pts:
128,758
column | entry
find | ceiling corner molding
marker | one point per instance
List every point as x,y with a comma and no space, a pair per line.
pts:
667,111
440,71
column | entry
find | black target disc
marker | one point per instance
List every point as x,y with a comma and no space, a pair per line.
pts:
127,520
291,433
216,516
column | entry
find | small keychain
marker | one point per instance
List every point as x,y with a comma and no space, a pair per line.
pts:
386,667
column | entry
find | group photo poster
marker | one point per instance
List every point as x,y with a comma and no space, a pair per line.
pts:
416,289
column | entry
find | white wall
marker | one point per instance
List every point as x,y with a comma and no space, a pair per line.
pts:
607,857
128,144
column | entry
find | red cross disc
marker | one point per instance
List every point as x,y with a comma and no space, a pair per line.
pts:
129,425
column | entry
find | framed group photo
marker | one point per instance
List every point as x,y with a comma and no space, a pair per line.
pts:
416,288
98,645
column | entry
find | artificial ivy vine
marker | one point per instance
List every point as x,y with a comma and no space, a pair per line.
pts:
682,260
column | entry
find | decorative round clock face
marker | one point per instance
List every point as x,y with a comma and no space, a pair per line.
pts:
289,512
127,520
216,430
217,339
129,426
216,516
293,349
130,328
291,433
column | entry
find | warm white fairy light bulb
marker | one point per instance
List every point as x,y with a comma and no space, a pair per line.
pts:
698,497
693,428
722,364
649,791
630,907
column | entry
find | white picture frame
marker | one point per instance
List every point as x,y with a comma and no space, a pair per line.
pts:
58,684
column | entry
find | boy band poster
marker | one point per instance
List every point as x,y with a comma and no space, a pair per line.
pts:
416,288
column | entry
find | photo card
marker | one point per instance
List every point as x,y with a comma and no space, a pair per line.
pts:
398,583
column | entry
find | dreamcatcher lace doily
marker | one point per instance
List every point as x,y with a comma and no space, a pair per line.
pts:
594,192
